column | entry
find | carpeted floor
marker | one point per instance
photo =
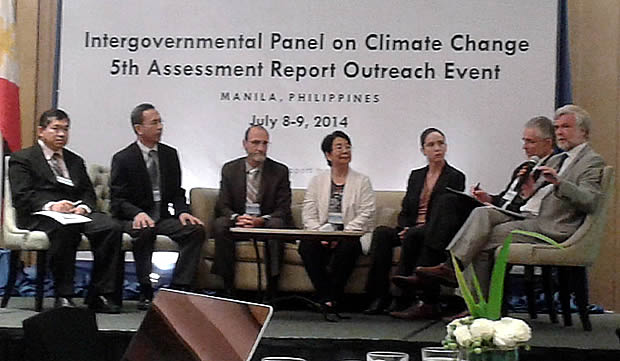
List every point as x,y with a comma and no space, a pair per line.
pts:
306,334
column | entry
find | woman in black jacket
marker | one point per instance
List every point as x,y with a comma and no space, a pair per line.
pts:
418,216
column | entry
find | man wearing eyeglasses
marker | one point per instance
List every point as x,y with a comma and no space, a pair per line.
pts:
49,177
538,144
255,192
571,190
146,179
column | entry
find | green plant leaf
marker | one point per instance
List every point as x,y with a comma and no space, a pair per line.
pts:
481,299
492,308
465,291
537,235
496,290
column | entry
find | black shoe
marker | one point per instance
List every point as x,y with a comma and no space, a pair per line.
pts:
146,297
227,293
104,304
177,287
378,306
398,304
144,302
63,302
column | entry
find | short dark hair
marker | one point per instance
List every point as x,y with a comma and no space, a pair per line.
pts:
425,134
328,141
247,131
136,114
48,115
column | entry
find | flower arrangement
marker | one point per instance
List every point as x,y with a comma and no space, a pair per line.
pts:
478,335
485,332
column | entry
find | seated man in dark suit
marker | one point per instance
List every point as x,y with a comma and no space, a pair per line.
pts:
49,177
145,180
254,192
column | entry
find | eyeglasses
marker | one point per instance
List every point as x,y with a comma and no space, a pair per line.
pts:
340,147
532,141
58,129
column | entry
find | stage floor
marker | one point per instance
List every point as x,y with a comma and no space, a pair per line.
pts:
288,324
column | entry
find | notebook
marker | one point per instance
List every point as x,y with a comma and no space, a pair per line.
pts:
188,326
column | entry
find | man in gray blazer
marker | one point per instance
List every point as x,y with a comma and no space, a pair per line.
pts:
557,207
255,192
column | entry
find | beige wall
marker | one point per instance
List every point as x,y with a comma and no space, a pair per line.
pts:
595,58
595,55
36,27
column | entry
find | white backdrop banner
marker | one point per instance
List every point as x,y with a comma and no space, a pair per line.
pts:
381,71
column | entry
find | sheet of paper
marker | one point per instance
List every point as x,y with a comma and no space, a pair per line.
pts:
64,218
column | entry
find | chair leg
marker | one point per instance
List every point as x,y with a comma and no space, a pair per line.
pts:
530,292
507,291
41,269
565,290
580,279
547,276
10,283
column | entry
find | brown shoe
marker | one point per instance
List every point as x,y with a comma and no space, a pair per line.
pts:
409,282
420,311
451,318
442,273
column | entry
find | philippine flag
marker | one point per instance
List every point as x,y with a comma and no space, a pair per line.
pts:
9,77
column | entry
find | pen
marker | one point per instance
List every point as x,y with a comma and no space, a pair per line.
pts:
477,186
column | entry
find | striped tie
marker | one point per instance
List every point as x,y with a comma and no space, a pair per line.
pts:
252,185
55,165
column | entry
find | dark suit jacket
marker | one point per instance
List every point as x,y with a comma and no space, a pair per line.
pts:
33,184
449,177
517,201
130,185
274,194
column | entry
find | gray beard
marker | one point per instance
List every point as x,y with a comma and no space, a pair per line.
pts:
258,158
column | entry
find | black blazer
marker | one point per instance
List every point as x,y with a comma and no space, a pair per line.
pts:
449,177
274,194
130,185
518,201
33,184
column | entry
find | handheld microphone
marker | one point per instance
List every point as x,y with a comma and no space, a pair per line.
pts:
529,165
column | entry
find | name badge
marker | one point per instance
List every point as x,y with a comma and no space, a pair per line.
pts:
510,195
252,209
335,218
156,196
65,181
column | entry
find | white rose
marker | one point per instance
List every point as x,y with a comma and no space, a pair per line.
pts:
463,336
454,324
510,331
483,328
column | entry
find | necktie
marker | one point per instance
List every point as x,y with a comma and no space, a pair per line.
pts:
55,165
153,169
563,158
252,185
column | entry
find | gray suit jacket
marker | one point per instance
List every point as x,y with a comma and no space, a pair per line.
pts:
563,210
